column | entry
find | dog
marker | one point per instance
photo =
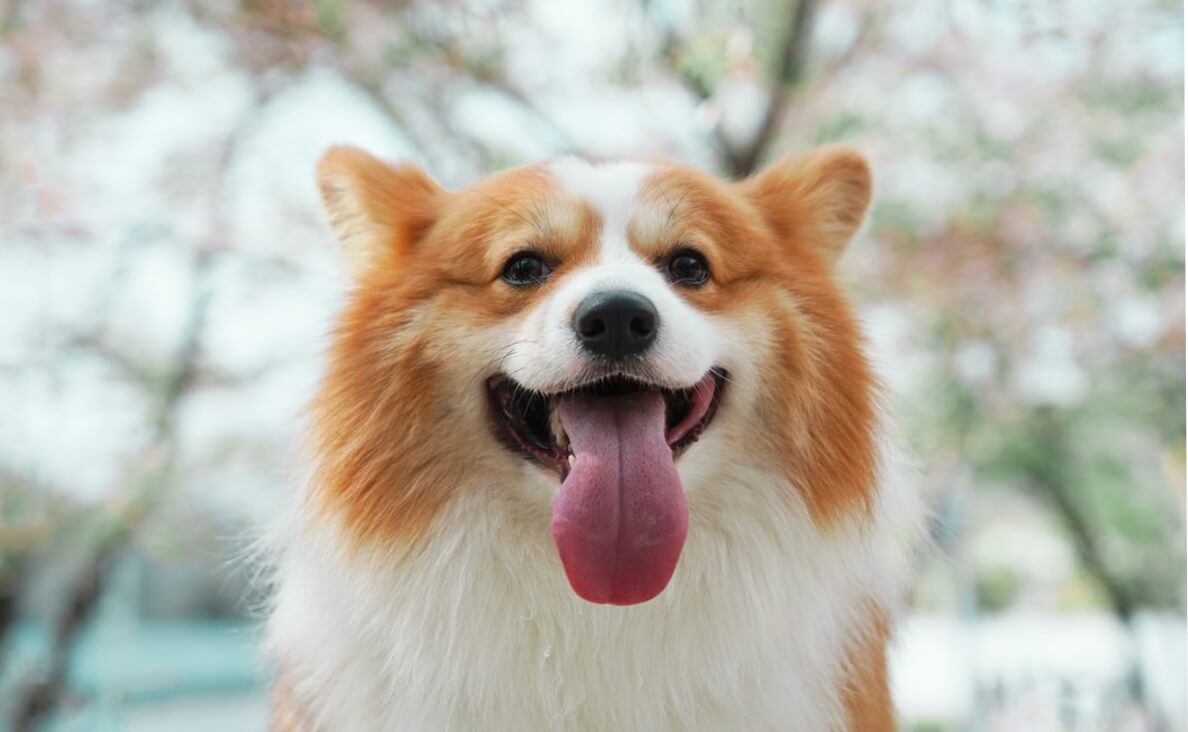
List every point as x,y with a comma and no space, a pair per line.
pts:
598,447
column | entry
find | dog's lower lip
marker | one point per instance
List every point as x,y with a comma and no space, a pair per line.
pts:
523,416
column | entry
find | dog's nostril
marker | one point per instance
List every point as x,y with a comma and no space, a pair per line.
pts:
642,327
593,327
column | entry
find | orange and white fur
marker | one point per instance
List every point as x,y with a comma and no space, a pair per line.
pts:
508,525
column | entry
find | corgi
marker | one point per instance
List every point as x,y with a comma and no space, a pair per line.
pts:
598,447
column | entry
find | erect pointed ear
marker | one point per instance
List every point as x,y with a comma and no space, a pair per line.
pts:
374,207
818,198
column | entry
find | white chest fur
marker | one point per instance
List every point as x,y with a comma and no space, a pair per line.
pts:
480,630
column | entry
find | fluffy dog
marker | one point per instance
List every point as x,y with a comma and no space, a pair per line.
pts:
597,448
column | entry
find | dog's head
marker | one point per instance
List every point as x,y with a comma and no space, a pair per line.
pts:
603,338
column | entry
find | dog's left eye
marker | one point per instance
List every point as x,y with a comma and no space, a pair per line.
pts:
688,267
525,269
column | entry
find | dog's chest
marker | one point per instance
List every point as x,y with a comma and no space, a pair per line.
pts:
483,633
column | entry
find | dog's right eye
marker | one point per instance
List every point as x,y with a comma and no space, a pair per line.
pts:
525,269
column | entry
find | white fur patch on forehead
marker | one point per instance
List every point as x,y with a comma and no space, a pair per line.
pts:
612,189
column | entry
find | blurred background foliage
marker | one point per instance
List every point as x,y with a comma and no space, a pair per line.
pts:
167,281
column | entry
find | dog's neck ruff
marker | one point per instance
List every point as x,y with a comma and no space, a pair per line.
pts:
479,629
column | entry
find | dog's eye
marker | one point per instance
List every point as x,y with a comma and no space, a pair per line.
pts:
688,267
525,269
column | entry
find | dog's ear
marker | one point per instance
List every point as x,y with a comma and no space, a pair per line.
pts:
818,198
374,208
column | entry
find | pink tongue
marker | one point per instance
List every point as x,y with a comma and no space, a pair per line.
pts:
620,519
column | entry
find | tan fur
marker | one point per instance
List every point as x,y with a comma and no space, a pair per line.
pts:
285,715
867,694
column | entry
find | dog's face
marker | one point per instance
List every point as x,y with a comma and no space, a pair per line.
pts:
564,333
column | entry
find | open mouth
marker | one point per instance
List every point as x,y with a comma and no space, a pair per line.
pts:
530,421
620,516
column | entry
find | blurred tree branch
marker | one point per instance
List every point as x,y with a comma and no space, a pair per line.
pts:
12,577
1047,479
116,531
742,160
41,697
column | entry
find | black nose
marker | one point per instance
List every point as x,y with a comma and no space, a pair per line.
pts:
616,323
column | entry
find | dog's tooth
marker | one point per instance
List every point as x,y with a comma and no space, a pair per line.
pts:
572,460
556,429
